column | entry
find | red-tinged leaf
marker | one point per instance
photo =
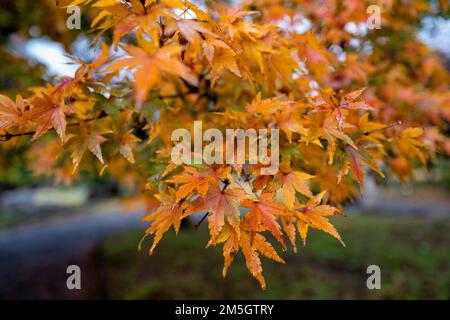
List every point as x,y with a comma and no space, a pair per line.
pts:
47,113
356,167
265,211
221,203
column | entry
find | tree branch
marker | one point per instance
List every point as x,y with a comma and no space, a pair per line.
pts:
9,136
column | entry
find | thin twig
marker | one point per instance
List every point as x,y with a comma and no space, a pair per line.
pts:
397,123
9,136
197,225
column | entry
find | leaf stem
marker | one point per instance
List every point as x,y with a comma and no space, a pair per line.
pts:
197,225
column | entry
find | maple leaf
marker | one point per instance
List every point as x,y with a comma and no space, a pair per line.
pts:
265,248
290,123
283,63
211,45
290,183
223,58
191,30
151,64
358,170
265,211
192,180
251,248
44,157
123,144
124,27
357,160
339,110
230,236
313,215
255,51
167,215
371,131
267,106
48,112
332,134
289,227
86,69
353,101
220,202
89,138
10,112
252,259
410,145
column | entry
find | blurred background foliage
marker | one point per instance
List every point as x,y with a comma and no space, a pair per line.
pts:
27,27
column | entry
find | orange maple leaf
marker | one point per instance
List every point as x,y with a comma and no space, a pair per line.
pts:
220,202
313,215
192,180
168,214
151,64
292,182
48,112
265,211
10,112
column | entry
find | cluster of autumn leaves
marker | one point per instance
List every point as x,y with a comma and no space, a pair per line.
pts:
223,199
174,62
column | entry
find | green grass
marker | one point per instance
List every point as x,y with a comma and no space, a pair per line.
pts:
8,220
413,255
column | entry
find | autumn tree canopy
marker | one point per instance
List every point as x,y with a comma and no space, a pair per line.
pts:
346,101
